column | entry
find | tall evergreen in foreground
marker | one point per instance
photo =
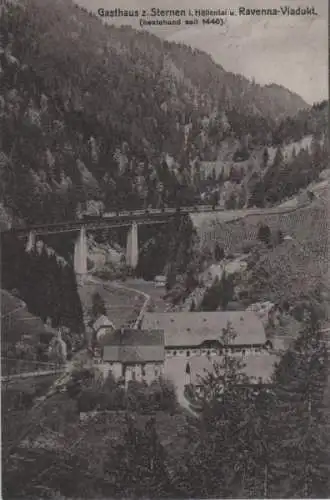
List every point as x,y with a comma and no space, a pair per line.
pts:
138,465
263,442
301,442
229,455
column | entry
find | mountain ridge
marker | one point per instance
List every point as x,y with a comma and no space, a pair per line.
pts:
90,111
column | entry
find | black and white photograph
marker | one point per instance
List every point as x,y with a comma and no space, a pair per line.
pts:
164,244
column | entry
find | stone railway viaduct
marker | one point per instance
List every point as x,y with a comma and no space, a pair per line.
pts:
133,219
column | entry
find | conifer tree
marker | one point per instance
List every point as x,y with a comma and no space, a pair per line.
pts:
265,158
230,451
219,253
264,234
98,306
301,444
142,460
48,288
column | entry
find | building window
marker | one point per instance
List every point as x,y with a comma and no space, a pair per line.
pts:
174,353
143,370
188,354
156,372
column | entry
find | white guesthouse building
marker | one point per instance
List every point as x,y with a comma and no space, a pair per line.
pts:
196,339
182,345
131,354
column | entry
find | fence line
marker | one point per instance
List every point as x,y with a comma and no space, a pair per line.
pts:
23,375
23,368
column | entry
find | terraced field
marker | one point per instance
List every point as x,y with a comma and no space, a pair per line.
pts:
291,271
307,225
287,272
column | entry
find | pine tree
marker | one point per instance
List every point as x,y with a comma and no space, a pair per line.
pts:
71,314
213,175
220,293
231,202
211,297
170,278
226,290
229,453
279,237
48,288
142,463
219,253
264,234
265,158
278,160
301,457
257,197
98,306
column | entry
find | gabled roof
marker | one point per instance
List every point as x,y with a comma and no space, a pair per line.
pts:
134,346
134,337
193,328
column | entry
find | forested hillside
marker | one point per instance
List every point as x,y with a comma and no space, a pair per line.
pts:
45,284
90,111
294,168
307,121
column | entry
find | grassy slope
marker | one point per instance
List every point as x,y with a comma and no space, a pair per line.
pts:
308,225
122,305
17,321
289,271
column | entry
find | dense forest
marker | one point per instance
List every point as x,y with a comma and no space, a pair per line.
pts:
282,179
93,112
171,249
45,284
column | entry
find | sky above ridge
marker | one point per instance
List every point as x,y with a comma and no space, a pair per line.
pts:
288,50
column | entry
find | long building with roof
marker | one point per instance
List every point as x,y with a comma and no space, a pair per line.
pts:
181,346
195,340
195,331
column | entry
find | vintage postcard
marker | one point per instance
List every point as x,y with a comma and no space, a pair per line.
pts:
165,293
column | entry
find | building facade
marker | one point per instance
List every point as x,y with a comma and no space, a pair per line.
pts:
131,354
182,346
195,340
